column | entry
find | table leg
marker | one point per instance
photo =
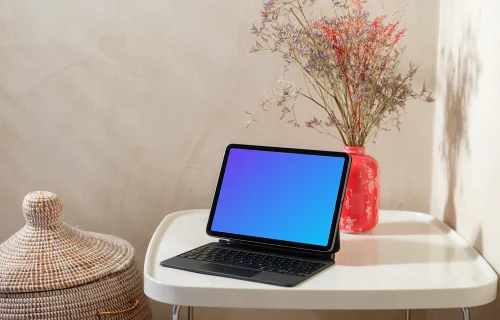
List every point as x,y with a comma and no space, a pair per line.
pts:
466,314
175,312
190,313
408,315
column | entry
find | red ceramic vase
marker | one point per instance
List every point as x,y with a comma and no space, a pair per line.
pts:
361,201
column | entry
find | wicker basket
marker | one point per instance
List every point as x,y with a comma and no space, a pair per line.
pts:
49,270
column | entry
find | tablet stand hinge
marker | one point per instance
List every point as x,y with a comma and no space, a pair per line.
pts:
242,244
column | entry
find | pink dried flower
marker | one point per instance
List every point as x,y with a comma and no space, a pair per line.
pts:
350,66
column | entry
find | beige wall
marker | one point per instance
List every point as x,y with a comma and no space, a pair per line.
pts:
123,108
466,152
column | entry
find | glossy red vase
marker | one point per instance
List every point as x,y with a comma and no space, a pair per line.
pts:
361,201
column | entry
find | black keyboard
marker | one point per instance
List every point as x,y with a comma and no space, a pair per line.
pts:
254,260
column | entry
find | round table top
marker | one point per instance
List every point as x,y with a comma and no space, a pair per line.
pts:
409,261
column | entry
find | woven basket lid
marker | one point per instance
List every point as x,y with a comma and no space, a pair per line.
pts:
47,254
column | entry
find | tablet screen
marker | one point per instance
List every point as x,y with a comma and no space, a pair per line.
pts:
281,196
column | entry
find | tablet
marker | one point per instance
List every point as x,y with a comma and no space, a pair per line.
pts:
279,196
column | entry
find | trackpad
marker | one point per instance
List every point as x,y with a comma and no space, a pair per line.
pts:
235,271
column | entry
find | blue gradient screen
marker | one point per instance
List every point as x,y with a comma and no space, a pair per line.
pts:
278,195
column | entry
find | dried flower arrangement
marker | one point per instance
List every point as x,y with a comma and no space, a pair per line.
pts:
349,64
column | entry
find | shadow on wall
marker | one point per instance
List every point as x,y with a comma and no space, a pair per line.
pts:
462,70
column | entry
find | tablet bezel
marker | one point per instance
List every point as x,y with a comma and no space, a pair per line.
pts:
289,244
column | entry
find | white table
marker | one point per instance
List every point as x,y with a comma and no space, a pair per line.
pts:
409,261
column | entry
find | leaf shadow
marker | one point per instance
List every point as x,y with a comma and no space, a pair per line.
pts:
462,71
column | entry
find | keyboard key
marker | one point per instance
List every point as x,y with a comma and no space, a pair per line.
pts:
255,261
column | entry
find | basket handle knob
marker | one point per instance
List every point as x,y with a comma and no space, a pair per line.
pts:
41,209
115,313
